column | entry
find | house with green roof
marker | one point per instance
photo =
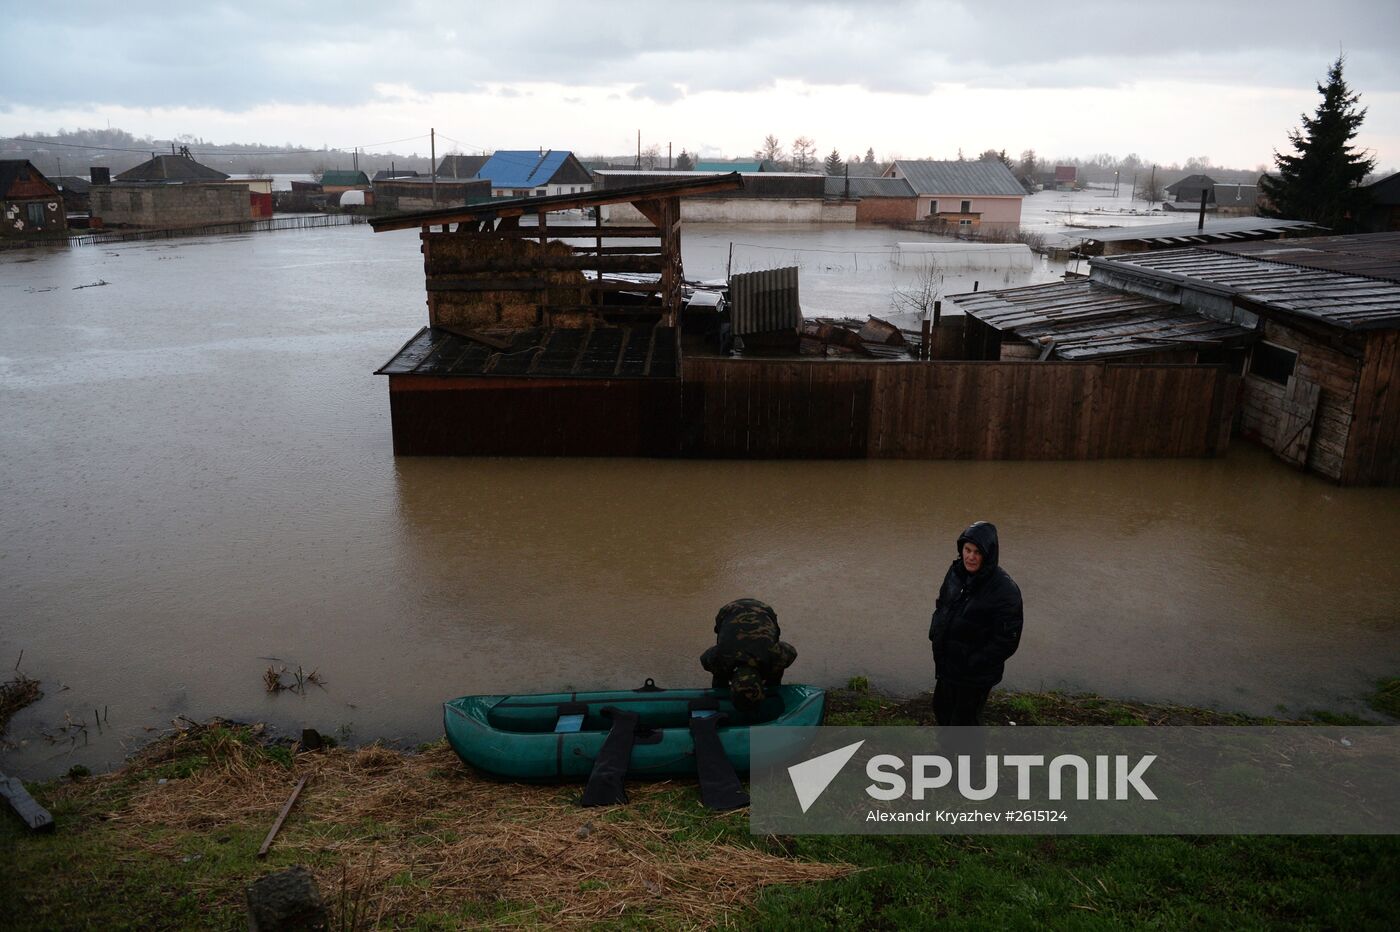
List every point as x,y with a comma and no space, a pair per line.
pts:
338,182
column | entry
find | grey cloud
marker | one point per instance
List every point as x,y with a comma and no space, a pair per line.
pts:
237,56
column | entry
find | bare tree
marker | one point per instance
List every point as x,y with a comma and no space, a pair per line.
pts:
1149,188
650,156
918,298
771,150
804,153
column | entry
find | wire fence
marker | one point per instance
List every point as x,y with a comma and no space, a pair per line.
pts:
214,229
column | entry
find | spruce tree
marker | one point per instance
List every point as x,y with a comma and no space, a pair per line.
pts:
1321,180
834,163
684,162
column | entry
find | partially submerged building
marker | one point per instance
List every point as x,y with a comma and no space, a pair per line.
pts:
1188,190
531,173
766,197
1110,241
964,196
30,203
876,200
1318,320
169,191
1383,213
546,338
424,193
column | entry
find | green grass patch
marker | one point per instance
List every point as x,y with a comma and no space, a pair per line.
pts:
1386,698
98,871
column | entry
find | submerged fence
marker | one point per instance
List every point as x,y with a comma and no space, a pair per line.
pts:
767,409
213,229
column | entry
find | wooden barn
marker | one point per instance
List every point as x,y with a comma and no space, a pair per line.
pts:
546,338
30,204
1320,318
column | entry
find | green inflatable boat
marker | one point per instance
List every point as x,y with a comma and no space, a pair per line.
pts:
558,736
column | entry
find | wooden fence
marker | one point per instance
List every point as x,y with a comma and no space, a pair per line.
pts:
765,409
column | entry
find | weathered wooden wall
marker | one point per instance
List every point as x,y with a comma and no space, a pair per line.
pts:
1333,370
1373,446
435,416
953,410
948,340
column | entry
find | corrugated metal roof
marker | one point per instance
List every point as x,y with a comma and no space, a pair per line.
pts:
1216,228
461,166
764,301
1087,321
868,187
977,179
344,179
727,166
1373,255
595,353
522,168
171,168
1348,301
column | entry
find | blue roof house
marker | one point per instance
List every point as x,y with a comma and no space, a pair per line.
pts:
535,173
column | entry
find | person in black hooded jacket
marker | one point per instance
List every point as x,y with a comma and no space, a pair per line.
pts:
976,626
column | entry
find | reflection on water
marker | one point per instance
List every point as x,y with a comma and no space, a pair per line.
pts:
198,482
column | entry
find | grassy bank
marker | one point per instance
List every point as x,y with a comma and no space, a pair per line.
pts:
417,840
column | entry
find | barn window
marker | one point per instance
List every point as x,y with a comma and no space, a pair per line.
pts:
36,213
933,207
966,207
1272,362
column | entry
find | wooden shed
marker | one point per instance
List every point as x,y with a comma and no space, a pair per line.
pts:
547,337
1320,382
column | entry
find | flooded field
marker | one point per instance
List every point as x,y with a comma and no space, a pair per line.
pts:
197,483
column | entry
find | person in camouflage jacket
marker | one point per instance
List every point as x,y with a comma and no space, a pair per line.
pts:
748,656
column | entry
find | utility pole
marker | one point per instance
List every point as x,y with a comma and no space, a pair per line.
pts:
639,150
668,156
432,137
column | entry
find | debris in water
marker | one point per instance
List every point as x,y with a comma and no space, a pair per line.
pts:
272,679
95,284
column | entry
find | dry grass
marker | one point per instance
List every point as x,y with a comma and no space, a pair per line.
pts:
15,695
411,834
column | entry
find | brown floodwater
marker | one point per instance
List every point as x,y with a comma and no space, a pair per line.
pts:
197,482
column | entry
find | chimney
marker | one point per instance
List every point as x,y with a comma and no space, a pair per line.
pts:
100,175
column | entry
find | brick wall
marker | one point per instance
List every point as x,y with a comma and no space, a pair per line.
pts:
874,209
164,206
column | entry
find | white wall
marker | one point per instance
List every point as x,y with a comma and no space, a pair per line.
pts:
744,210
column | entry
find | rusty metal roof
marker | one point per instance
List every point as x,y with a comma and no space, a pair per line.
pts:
1351,302
1373,255
1082,320
552,353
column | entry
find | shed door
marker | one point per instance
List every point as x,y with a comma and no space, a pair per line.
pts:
1295,424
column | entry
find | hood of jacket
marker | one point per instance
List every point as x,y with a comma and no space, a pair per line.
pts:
984,535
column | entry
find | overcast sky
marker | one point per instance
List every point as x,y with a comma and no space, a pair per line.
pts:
1224,79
